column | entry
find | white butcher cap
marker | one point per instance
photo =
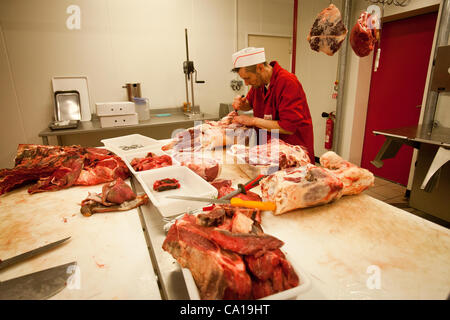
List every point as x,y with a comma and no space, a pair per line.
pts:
248,57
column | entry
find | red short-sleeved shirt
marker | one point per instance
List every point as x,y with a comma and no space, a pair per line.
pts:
285,101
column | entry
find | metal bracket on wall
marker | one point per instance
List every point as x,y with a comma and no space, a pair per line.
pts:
442,157
390,148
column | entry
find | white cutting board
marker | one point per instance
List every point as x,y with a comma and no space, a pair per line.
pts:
110,248
79,84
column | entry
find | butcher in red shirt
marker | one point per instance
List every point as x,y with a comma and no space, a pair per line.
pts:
276,97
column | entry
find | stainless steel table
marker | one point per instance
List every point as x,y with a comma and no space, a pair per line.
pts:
176,117
431,183
335,244
413,136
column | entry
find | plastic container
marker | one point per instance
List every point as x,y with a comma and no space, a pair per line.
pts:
141,154
142,108
290,294
129,144
191,184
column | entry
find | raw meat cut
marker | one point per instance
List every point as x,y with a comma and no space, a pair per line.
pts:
364,34
166,184
328,31
273,273
218,273
151,161
246,244
117,192
210,135
63,177
212,218
90,206
207,168
58,167
274,153
241,223
354,178
115,196
102,171
301,187
221,184
224,187
268,158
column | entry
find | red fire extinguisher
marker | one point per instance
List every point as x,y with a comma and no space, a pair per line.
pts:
329,129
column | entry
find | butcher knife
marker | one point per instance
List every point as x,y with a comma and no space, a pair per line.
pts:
38,285
235,202
21,257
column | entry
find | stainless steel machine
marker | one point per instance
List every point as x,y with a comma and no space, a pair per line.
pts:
192,111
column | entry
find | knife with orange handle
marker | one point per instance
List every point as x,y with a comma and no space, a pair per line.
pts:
235,202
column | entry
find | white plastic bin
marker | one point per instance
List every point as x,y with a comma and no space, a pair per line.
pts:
129,144
191,185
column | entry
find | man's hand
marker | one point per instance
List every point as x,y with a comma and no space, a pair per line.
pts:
239,103
245,120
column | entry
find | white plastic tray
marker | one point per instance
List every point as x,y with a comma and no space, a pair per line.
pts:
141,154
116,144
290,294
191,184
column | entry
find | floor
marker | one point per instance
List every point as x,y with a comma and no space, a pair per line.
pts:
394,194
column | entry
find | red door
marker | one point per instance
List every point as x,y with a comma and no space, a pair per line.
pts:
396,89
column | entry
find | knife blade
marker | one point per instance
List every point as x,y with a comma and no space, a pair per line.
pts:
38,285
235,202
21,257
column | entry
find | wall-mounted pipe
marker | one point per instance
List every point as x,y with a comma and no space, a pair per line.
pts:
342,65
294,37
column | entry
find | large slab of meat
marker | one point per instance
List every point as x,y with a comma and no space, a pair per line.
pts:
328,31
55,167
270,157
274,153
301,187
354,178
363,35
209,135
227,259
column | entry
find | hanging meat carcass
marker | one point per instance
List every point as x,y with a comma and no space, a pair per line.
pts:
328,31
364,34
